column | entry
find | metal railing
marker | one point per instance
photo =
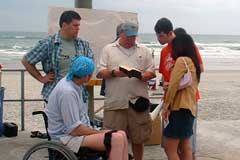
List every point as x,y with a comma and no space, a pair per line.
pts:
22,94
23,100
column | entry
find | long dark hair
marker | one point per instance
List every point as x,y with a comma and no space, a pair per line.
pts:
183,45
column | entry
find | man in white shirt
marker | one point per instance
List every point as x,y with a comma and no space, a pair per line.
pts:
121,90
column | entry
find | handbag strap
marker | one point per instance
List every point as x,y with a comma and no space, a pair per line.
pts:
186,64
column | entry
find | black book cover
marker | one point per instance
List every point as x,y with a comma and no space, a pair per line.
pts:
131,72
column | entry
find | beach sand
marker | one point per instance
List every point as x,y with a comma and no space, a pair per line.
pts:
220,98
218,113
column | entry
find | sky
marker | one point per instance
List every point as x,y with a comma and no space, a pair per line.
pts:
196,16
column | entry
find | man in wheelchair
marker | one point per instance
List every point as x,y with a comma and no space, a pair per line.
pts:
68,120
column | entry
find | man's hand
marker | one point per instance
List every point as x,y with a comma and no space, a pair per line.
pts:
107,74
48,78
31,68
104,130
165,114
119,73
147,75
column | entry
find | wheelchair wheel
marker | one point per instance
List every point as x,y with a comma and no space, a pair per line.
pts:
49,151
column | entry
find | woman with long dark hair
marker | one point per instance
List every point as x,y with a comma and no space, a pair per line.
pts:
180,104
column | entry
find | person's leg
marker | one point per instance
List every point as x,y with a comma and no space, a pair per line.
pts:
94,141
139,130
186,149
192,141
138,150
118,150
194,138
171,147
181,126
117,120
125,150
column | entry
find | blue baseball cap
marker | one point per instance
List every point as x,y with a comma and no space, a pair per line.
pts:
80,66
130,29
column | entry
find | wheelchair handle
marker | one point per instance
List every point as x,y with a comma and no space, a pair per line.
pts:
45,120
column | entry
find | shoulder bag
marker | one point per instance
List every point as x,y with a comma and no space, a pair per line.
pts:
186,79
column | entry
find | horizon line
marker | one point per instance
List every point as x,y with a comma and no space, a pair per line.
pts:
139,33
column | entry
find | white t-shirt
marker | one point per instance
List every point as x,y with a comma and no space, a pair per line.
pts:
120,89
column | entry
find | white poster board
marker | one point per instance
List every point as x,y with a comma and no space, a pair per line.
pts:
98,27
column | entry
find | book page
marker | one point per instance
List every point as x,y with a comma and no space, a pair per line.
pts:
129,68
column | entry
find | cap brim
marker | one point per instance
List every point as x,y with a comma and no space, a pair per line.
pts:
131,33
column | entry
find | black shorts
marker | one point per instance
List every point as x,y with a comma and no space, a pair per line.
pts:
180,124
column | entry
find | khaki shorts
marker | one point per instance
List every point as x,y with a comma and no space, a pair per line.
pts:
137,125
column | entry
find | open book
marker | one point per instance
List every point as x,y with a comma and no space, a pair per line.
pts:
131,72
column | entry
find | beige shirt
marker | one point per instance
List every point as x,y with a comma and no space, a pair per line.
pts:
184,98
120,89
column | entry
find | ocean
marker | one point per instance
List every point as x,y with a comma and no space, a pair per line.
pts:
219,52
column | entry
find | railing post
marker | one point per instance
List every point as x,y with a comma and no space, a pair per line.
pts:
22,100
83,4
88,4
91,102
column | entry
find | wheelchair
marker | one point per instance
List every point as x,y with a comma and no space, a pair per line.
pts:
52,150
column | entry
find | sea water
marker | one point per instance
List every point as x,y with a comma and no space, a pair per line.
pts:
219,52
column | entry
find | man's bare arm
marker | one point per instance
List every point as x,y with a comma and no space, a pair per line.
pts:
84,130
106,74
36,74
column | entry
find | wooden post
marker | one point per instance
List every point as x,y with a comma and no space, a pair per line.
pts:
90,88
83,4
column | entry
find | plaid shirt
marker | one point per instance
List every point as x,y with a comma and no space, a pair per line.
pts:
48,52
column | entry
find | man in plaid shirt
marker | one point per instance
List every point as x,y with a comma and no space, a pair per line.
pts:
55,52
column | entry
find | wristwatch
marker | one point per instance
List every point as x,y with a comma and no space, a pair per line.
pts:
113,74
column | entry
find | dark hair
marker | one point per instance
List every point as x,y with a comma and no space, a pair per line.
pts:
68,16
183,45
163,25
179,30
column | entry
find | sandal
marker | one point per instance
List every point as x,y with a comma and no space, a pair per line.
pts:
38,134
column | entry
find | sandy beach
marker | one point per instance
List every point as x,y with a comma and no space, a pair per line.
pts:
219,97
218,116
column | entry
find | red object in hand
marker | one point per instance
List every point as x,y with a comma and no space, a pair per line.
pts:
1,66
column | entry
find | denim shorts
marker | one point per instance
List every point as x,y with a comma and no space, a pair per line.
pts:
180,124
